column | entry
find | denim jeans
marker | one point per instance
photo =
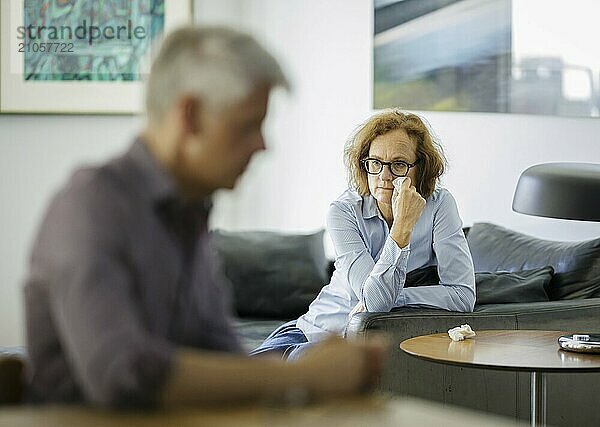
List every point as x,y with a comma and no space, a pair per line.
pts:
288,340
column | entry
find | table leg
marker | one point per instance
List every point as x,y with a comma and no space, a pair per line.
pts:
538,399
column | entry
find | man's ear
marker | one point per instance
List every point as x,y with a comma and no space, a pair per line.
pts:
189,109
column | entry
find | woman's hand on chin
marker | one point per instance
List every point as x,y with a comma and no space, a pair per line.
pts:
407,207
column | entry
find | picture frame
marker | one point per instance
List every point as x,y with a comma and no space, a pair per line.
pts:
100,77
487,56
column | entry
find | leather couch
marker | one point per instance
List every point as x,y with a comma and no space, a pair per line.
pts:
571,303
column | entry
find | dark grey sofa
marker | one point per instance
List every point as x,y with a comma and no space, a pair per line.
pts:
572,398
572,304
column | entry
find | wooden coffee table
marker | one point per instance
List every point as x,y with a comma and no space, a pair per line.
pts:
536,352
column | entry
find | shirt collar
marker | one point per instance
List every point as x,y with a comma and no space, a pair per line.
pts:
158,184
369,207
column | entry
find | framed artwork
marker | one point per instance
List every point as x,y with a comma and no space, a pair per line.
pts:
505,56
81,56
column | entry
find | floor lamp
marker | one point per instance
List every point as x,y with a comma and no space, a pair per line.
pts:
558,190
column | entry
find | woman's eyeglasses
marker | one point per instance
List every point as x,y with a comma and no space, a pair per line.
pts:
397,167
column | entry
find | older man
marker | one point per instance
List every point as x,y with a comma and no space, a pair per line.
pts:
124,306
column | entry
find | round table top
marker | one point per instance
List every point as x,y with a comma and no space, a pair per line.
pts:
516,350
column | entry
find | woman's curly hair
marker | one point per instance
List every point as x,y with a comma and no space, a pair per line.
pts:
431,162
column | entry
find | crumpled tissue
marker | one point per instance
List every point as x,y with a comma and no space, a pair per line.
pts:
398,183
461,332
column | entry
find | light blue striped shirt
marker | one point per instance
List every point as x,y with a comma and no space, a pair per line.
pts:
370,267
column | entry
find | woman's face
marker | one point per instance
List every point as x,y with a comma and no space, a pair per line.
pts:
391,146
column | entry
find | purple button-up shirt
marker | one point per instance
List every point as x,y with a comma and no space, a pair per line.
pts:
122,273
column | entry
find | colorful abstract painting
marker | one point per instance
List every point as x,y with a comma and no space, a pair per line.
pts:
103,40
81,56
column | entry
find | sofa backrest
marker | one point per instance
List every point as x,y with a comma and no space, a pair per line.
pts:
576,264
274,275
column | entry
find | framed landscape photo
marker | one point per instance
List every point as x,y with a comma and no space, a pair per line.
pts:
492,56
81,56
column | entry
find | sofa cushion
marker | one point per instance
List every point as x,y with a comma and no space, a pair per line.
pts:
519,286
576,264
495,287
423,276
274,275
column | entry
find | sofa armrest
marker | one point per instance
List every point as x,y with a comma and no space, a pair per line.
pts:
409,322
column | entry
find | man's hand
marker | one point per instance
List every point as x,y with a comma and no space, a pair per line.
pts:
407,206
342,367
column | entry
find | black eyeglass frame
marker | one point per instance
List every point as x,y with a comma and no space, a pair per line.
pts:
389,164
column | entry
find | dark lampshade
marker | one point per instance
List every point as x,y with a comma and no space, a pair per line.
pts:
560,190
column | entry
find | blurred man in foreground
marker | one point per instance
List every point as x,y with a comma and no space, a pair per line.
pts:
124,304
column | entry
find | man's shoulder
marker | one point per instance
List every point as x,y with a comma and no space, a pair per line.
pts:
97,192
87,211
93,182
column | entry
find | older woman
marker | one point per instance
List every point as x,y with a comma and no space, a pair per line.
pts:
381,233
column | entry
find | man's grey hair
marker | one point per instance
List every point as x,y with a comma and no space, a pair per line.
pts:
220,66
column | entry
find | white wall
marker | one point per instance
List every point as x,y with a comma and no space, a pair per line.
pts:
328,62
326,48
